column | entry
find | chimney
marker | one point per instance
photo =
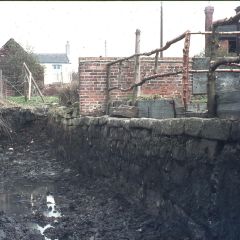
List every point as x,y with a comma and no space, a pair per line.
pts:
68,49
208,27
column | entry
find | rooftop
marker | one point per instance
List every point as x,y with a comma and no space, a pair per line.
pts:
52,58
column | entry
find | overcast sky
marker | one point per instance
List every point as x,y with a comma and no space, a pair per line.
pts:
46,26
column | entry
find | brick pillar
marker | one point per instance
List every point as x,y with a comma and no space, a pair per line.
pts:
208,27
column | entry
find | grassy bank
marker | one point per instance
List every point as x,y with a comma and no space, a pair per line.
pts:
34,102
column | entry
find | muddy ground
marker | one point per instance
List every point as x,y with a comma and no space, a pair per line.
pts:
41,199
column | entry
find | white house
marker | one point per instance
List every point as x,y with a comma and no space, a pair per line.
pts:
57,67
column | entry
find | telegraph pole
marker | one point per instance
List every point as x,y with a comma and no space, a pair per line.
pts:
161,29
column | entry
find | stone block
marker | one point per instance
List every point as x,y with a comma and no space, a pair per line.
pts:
168,127
141,123
117,122
125,111
235,131
202,149
76,121
193,126
177,126
216,129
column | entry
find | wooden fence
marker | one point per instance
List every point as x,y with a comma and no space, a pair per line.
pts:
211,92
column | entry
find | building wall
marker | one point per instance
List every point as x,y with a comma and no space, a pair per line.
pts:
52,75
92,75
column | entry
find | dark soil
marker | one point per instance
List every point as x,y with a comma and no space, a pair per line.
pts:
29,172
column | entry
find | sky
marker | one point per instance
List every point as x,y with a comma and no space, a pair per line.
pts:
46,26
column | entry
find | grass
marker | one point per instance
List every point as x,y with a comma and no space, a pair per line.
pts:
34,102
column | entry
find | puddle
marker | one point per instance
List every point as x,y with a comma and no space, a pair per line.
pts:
23,198
51,212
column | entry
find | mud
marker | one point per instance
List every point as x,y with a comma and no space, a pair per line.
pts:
42,199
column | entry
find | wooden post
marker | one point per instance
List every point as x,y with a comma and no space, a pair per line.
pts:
107,89
156,62
38,89
137,90
25,87
211,93
211,84
1,84
30,80
120,74
185,76
29,86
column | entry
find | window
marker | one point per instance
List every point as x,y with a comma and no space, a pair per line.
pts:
57,66
232,46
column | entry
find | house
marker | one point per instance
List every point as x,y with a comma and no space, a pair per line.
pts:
12,57
230,44
57,67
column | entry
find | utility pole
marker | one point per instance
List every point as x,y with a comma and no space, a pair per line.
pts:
161,30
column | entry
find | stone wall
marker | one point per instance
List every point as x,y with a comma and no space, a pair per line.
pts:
93,73
184,171
14,118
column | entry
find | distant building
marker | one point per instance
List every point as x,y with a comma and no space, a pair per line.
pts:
229,43
57,67
12,57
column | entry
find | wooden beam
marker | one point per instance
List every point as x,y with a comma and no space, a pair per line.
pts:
217,70
144,80
167,45
214,65
217,33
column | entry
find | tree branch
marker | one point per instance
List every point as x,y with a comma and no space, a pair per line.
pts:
222,61
144,80
167,45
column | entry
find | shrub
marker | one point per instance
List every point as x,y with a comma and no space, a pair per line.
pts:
68,94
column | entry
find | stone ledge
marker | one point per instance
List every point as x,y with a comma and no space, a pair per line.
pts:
207,128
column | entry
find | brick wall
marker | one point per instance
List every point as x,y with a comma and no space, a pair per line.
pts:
92,74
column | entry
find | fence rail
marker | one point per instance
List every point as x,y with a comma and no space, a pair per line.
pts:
185,65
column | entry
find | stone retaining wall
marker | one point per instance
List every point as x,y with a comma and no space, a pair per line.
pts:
14,118
185,171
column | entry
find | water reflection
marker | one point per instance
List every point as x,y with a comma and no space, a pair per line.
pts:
23,198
